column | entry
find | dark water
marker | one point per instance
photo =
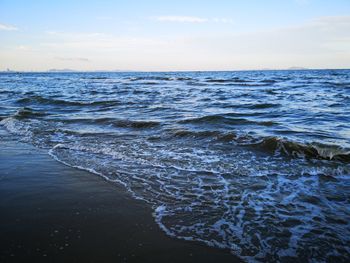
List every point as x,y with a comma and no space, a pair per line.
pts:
257,162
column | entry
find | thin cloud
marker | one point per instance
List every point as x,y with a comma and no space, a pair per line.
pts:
302,2
322,42
8,27
222,20
78,59
23,48
192,19
106,18
181,19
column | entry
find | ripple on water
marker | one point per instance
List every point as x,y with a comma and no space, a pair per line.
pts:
247,161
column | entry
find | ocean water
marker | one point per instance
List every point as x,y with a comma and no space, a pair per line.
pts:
257,162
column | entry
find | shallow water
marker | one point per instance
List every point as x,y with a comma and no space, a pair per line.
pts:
256,161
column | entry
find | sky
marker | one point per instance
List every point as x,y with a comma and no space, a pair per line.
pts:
174,35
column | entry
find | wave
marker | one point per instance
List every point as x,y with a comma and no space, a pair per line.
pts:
271,91
241,82
122,123
183,78
301,150
260,105
264,106
212,135
151,78
249,84
226,80
157,78
136,124
7,92
48,101
150,83
219,119
28,113
337,84
96,78
148,78
196,83
269,81
194,134
86,133
272,145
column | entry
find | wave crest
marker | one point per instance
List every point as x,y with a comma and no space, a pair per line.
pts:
309,150
51,101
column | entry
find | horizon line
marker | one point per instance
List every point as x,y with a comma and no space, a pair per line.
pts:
165,71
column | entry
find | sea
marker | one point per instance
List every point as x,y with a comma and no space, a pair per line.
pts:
256,162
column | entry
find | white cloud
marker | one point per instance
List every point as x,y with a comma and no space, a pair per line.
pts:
181,19
8,27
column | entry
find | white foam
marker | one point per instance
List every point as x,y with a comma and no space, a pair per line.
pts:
233,199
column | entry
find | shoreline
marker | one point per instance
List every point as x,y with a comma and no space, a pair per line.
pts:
55,213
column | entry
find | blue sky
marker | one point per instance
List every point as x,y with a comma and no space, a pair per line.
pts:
174,35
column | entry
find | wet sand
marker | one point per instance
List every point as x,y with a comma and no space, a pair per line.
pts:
54,213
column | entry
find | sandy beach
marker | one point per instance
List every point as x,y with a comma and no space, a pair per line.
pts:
54,213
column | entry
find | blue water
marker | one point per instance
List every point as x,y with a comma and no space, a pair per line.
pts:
257,161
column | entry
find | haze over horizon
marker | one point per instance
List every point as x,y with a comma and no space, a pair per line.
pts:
170,36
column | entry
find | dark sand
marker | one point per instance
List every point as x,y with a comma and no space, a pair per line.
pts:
54,213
